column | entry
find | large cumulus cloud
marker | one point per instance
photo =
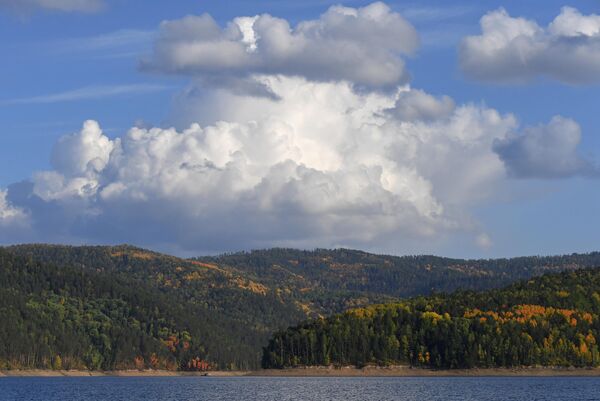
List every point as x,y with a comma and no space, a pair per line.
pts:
324,165
361,45
513,49
326,158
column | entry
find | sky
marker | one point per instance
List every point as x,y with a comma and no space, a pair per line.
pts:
464,129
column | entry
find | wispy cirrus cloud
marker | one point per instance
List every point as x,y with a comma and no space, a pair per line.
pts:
419,13
119,39
438,26
122,43
25,6
91,92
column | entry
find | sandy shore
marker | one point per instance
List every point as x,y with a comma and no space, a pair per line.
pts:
397,371
116,373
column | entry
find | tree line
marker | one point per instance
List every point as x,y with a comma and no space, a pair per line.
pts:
118,307
552,320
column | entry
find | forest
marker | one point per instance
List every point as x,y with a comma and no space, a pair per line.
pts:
122,307
69,318
553,320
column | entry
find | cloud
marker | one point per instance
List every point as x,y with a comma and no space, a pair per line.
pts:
417,105
288,141
84,153
91,92
111,40
7,212
84,6
545,151
10,217
517,49
364,46
436,13
324,165
120,43
484,241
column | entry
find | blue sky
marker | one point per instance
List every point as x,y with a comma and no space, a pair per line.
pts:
63,68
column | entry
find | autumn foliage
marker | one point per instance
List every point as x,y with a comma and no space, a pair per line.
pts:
197,364
550,321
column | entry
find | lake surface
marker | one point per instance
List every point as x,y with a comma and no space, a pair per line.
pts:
288,389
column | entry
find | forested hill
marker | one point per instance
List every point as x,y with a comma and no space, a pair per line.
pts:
110,307
117,307
553,320
397,276
55,316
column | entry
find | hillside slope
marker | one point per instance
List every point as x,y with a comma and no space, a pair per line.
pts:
233,316
553,320
229,305
334,280
68,317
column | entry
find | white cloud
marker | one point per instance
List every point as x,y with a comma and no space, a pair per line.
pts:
416,105
517,49
321,157
545,151
361,45
324,165
570,23
10,215
85,6
84,153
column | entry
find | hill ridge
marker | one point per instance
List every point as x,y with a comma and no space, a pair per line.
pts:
242,298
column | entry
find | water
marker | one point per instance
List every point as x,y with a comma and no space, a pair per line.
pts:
288,389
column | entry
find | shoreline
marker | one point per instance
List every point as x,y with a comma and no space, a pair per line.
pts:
407,371
396,371
115,373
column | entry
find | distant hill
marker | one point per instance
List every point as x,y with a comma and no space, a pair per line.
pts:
553,320
115,307
354,271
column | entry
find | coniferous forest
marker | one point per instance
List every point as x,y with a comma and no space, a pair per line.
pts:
553,320
121,307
